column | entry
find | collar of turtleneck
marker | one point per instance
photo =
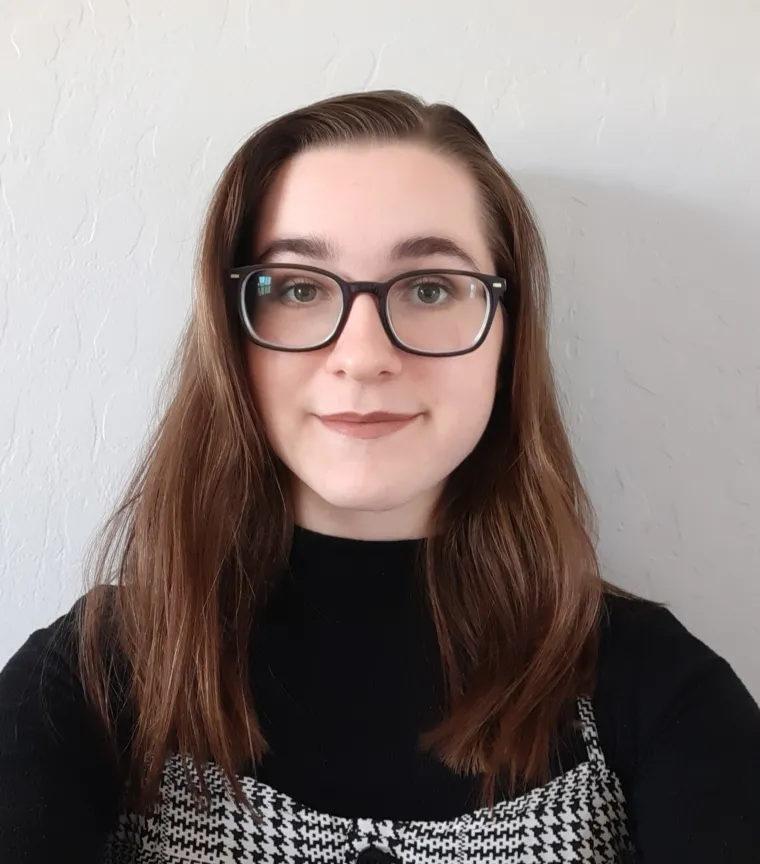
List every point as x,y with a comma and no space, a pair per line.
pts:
346,676
342,575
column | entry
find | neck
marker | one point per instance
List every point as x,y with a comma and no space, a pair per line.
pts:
410,520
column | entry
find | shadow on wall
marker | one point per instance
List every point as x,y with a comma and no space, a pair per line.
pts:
656,344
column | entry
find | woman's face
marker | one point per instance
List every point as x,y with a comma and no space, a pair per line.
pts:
373,481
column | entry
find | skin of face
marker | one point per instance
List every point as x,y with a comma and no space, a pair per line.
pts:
363,200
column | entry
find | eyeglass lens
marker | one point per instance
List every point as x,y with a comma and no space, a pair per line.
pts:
432,312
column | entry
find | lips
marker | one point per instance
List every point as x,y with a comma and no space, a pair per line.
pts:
376,424
373,417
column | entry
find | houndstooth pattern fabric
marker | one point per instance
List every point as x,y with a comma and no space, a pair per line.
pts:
577,817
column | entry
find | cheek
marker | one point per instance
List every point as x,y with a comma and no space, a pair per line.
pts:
256,366
468,402
466,394
281,386
473,388
273,383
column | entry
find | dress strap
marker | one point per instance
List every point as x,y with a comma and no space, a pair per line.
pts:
589,731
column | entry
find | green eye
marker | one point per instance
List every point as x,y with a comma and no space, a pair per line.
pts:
300,292
430,293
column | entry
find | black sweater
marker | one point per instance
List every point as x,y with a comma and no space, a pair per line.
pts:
345,676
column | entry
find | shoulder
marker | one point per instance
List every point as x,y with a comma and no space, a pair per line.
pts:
647,643
54,648
41,690
647,660
682,734
50,650
656,679
60,779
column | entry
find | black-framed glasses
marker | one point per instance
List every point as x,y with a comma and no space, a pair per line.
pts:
438,313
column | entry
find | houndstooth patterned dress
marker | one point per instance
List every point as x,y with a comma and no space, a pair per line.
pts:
579,816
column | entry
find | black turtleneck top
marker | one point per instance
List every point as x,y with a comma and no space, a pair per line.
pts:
345,675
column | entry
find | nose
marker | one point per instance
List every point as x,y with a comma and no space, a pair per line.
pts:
363,349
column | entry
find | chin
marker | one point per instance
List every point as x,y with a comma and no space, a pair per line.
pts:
366,500
379,493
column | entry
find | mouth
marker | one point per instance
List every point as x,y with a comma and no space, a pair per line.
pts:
367,426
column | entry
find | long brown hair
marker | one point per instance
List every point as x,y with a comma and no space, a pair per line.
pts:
205,525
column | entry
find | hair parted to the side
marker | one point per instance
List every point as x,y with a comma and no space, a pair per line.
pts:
204,527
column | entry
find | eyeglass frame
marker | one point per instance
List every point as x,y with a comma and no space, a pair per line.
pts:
496,286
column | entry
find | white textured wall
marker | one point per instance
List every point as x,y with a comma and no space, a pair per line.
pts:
633,126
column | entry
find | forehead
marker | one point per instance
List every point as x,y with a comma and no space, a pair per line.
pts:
365,198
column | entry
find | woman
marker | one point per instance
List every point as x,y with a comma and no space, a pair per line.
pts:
359,615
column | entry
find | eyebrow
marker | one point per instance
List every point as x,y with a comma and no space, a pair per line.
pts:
413,247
